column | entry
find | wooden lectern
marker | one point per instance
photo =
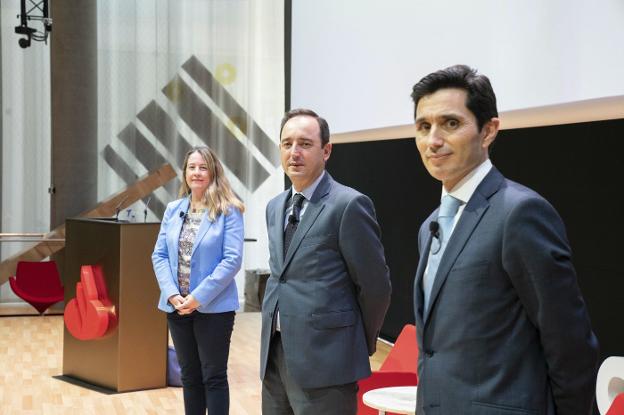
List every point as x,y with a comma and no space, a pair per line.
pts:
132,355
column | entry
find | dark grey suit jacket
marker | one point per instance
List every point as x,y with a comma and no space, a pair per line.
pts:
333,287
507,331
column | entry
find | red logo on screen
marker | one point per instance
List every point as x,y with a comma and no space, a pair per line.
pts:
91,314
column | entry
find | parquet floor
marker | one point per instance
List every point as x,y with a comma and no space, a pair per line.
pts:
31,355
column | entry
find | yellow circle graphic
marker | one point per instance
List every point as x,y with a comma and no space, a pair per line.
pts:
226,73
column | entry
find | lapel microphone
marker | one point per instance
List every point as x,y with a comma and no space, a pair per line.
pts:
434,229
436,244
182,214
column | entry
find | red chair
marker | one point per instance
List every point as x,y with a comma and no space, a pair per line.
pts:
403,356
617,406
400,368
37,283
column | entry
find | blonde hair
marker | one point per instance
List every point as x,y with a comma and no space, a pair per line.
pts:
219,196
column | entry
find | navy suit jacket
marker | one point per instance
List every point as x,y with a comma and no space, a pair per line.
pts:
333,287
507,331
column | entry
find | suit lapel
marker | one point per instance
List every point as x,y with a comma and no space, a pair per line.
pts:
178,216
420,271
174,228
313,209
472,214
278,228
206,223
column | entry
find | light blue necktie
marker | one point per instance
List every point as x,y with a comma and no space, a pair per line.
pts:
446,215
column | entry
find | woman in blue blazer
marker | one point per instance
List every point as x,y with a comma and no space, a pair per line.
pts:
198,252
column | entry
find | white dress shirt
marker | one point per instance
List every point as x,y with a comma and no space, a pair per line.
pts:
307,195
466,187
463,191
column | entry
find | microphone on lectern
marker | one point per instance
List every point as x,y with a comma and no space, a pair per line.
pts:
118,208
145,210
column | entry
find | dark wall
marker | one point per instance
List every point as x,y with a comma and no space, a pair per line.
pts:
577,167
390,172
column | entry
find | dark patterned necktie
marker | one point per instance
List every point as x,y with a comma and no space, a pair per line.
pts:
293,220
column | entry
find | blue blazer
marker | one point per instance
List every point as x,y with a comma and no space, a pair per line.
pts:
215,260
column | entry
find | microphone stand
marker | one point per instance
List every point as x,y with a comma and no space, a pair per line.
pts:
145,211
118,208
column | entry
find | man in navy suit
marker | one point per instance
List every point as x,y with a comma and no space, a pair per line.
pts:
502,327
329,288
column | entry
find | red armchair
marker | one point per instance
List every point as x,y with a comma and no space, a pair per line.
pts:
37,283
398,369
617,406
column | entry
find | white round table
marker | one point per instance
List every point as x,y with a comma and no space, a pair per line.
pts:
399,399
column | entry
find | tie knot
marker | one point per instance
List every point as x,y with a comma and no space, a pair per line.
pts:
449,206
298,199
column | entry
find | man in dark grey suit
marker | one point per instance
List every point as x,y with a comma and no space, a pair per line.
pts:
329,288
501,324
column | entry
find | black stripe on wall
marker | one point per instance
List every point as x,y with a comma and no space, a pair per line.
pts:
212,132
232,109
125,172
162,126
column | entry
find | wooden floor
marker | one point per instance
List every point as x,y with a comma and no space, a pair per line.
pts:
31,357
